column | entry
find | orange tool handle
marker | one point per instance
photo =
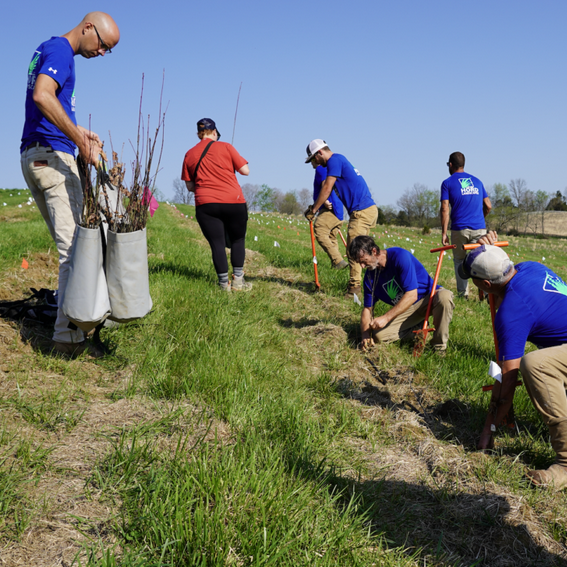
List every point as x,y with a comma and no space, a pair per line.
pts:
342,238
501,244
314,255
450,247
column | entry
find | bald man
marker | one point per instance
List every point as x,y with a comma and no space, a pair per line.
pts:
49,139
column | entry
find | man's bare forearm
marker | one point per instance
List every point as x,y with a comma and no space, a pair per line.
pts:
325,192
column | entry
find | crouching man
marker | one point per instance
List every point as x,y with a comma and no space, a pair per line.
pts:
532,306
397,278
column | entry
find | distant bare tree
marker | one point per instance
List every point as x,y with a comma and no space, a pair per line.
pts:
305,198
420,204
518,191
542,198
181,194
251,195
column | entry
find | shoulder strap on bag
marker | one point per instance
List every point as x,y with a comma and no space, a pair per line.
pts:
201,159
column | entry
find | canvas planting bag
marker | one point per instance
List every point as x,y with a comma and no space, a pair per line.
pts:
127,275
86,302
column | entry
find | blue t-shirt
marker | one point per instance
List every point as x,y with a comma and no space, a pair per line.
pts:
465,194
403,273
352,188
320,176
534,309
56,59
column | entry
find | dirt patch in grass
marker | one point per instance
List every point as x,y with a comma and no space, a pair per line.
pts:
60,419
41,272
423,492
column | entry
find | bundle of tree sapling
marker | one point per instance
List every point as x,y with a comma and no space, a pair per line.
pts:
126,253
86,301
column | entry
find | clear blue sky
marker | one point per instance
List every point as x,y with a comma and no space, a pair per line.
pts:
394,86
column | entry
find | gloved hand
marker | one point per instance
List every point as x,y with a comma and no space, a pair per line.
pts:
309,214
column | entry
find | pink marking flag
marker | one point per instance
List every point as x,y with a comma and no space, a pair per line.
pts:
149,199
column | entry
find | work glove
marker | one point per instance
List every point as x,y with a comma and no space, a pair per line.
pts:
309,214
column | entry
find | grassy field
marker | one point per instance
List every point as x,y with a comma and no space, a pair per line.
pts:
247,429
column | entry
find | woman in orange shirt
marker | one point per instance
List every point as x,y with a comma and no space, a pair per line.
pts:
209,171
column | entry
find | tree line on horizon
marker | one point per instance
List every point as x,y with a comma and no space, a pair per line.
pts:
418,206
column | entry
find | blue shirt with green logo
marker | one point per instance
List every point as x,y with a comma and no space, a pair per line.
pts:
534,309
56,59
465,194
403,273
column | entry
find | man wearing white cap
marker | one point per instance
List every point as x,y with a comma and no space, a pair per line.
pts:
532,306
353,192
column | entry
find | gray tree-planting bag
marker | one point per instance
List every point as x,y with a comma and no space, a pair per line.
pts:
86,302
127,275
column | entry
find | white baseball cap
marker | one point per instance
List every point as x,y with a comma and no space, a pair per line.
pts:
313,147
486,263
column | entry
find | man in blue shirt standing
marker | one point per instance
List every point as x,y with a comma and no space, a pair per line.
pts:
398,278
469,206
353,192
532,306
49,139
329,220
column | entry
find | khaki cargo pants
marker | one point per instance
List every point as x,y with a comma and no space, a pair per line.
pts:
326,228
53,179
360,223
402,326
545,375
460,237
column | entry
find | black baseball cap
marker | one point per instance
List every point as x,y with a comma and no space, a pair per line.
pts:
207,124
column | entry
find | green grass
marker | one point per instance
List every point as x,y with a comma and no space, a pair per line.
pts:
289,478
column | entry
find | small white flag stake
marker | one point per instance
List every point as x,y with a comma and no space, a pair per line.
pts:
356,300
277,244
495,371
255,239
412,250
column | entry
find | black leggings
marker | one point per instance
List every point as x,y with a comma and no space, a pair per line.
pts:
217,218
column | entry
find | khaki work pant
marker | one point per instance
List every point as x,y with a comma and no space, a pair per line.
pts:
460,237
326,228
360,223
402,326
545,375
53,179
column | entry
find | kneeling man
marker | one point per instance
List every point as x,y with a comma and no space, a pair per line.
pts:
398,278
532,306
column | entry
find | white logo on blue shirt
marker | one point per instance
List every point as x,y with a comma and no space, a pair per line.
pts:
554,284
467,186
54,71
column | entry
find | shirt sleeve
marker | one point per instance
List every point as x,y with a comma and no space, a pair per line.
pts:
334,167
185,175
55,63
237,160
444,192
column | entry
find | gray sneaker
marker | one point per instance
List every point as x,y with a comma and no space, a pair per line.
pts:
341,265
238,284
224,286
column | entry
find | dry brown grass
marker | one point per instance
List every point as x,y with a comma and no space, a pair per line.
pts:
65,509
